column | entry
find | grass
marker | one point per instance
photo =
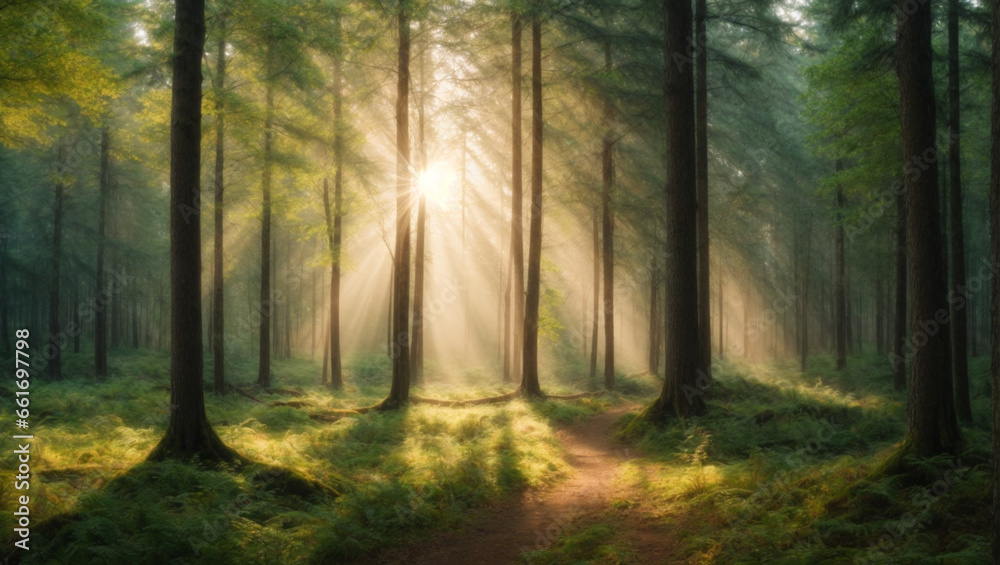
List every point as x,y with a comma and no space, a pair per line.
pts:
777,472
403,474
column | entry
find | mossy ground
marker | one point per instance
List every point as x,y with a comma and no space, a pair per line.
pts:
402,473
777,471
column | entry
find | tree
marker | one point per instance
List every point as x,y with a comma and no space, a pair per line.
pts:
54,347
899,326
266,304
417,334
932,426
529,372
516,195
101,314
335,227
189,433
680,395
399,393
995,260
959,320
608,232
701,172
597,299
218,276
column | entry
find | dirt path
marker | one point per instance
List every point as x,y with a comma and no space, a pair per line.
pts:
536,519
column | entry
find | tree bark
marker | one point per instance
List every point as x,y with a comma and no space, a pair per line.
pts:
899,327
932,426
266,304
722,342
608,232
399,393
517,197
995,263
188,432
417,333
597,299
101,311
218,272
507,376
701,176
529,372
654,321
683,385
336,226
959,317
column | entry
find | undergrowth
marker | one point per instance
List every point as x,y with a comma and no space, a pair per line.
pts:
402,473
778,471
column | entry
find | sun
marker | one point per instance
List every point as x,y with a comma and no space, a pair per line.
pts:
435,183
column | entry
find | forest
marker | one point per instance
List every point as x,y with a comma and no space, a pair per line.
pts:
549,282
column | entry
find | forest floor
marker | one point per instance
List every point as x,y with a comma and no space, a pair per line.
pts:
510,530
779,470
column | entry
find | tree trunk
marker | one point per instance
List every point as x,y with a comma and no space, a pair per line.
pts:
597,300
326,353
218,273
608,232
273,305
188,432
701,176
53,349
995,262
266,304
507,376
417,333
932,426
840,284
336,227
722,342
517,197
959,317
529,372
899,327
399,393
100,290
654,321
684,381
332,340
